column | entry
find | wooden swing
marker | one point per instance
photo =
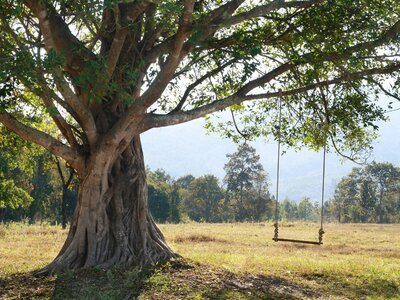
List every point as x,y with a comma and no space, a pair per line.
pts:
321,231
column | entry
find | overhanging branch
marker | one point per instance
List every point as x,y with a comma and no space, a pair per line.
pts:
38,137
154,120
263,10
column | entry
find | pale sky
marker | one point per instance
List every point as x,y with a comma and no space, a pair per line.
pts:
186,149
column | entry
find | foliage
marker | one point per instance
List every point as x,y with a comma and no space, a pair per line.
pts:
164,197
246,184
159,203
368,194
329,58
304,210
29,180
205,198
12,196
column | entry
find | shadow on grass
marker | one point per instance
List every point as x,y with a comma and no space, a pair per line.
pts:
26,286
172,280
188,280
355,288
180,280
94,283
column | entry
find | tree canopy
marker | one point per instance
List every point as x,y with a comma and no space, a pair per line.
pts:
153,64
368,194
246,184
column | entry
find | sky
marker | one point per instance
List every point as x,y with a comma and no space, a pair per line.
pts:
186,149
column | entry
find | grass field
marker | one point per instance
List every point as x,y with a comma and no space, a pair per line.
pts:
221,261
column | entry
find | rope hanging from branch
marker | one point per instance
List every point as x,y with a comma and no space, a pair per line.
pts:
321,231
243,135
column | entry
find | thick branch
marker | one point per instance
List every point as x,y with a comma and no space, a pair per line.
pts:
263,10
46,94
61,123
86,119
154,120
122,130
127,14
41,138
207,26
57,36
168,69
115,51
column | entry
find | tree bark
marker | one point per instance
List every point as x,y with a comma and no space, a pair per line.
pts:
380,208
64,207
2,214
112,224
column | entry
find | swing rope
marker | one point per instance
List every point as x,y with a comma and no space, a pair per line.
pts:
276,224
321,231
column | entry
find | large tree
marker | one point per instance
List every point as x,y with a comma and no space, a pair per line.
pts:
107,71
368,194
246,184
204,199
386,177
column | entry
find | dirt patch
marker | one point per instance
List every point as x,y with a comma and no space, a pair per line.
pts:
26,286
188,280
175,280
199,238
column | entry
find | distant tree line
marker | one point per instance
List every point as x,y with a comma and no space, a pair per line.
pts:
304,210
34,186
242,196
369,194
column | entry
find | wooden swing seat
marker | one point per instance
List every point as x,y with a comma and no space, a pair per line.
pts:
297,241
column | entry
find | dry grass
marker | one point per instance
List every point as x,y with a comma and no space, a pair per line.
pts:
355,261
239,261
198,238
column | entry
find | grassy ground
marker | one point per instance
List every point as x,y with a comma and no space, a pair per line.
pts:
222,261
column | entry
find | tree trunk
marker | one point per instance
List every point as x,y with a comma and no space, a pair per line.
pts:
380,208
64,208
2,214
111,223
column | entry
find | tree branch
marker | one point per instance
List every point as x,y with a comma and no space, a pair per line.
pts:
390,34
131,12
58,36
86,119
168,69
206,25
263,10
154,120
41,138
61,123
198,82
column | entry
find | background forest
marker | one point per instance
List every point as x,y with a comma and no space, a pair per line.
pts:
37,187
